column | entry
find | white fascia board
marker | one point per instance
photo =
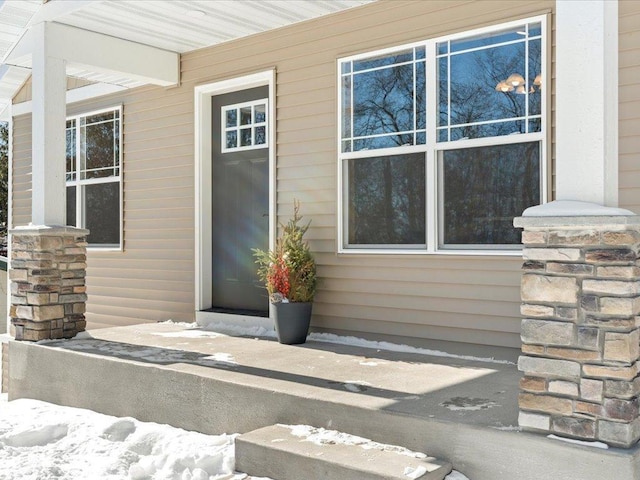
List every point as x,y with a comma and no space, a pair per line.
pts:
76,95
102,53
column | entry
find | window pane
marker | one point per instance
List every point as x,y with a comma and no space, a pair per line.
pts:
488,130
260,112
474,76
245,116
388,141
346,107
232,139
231,118
483,83
100,117
492,38
102,213
382,60
387,200
535,77
484,188
100,155
261,135
383,101
443,91
245,137
421,96
71,206
71,151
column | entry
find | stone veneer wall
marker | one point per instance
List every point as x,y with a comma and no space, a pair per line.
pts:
580,337
48,292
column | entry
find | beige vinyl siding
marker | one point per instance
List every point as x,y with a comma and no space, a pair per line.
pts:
629,105
153,278
21,171
448,297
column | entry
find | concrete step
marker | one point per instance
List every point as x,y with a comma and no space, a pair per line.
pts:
285,452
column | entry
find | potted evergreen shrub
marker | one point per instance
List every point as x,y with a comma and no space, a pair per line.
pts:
289,275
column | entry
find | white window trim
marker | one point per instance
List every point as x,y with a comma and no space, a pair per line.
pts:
432,147
77,182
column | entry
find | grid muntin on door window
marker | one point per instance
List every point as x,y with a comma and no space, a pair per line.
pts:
244,126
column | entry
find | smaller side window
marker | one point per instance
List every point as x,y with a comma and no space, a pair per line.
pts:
94,146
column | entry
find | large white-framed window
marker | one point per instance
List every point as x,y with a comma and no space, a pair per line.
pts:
94,176
443,142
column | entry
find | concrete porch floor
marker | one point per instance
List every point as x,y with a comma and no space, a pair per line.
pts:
458,410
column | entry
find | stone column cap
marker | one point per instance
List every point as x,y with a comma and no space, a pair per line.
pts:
49,230
573,213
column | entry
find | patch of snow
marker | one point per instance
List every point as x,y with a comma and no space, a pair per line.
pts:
507,428
41,440
468,404
369,364
258,331
180,324
394,347
574,208
221,358
580,442
321,436
240,330
190,334
4,397
414,473
455,476
356,386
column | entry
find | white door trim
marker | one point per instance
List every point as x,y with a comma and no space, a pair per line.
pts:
202,151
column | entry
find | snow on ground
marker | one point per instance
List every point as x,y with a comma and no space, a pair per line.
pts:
39,440
579,442
214,329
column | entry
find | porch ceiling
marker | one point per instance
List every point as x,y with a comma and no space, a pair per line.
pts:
177,26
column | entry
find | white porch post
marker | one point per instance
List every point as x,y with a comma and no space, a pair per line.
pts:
587,101
48,134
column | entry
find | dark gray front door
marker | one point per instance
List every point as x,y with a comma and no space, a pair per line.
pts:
240,197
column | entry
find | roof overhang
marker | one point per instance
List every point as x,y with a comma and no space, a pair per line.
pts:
129,43
79,49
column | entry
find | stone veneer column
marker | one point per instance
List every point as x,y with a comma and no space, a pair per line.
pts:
48,292
580,337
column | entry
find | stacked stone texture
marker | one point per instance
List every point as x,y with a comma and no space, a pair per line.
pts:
580,332
48,291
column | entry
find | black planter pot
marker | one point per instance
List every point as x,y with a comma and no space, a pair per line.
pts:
292,321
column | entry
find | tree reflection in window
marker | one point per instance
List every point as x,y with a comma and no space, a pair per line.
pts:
387,200
384,101
469,71
484,188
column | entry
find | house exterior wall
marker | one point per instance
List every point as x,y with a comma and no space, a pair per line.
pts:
629,104
446,297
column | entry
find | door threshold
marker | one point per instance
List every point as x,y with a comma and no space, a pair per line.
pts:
250,318
238,311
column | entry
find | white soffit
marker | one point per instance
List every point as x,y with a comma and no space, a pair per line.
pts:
182,26
14,18
177,26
